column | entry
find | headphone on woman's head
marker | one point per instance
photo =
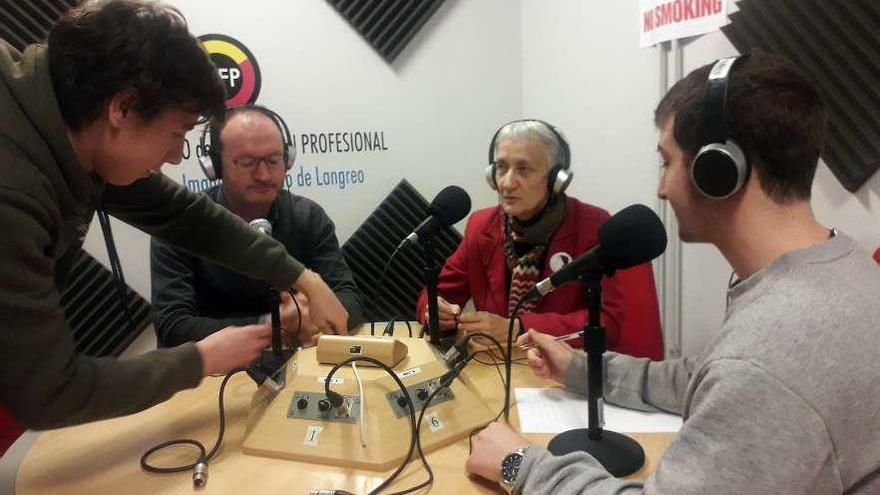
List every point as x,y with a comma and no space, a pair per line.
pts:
560,174
212,163
719,168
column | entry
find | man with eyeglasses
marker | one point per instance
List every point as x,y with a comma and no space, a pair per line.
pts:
193,298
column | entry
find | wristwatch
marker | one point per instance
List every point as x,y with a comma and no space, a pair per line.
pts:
510,468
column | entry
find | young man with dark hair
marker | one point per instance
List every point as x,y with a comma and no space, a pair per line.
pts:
87,123
193,298
783,399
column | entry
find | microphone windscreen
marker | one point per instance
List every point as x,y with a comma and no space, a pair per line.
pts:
450,205
632,236
262,225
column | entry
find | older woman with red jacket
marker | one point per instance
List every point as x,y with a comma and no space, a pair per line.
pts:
534,231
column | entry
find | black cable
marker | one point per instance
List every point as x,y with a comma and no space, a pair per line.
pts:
496,361
445,382
203,458
460,346
508,363
336,400
299,325
115,266
389,328
375,292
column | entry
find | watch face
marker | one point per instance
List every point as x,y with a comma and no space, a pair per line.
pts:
510,466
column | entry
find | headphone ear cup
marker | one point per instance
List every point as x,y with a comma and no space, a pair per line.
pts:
719,170
558,179
489,175
207,167
561,180
210,162
551,177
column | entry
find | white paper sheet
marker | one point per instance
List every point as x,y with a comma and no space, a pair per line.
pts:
554,410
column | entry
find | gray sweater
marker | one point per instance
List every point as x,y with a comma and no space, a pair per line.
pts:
785,398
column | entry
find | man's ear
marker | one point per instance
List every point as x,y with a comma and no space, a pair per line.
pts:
120,107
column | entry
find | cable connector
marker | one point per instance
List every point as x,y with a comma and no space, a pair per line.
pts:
447,378
454,354
335,398
200,475
261,378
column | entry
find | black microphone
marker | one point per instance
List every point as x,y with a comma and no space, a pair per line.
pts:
631,237
448,207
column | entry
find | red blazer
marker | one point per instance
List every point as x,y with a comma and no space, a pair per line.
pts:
477,270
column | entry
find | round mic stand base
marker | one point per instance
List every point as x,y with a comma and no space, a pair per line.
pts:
617,453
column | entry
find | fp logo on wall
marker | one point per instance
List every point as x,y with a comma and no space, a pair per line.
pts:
237,67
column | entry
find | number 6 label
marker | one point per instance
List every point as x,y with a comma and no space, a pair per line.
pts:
434,423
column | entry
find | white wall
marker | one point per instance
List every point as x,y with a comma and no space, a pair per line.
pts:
584,73
437,104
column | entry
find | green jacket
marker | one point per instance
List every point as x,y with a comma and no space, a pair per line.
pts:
46,205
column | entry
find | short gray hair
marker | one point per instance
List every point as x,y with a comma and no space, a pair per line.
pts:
531,129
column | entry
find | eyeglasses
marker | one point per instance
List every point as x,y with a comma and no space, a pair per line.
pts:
248,163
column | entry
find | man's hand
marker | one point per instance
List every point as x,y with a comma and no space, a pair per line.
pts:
491,446
291,317
325,310
233,347
484,321
448,314
549,358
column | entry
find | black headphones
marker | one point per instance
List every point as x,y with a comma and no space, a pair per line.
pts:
719,168
212,163
560,174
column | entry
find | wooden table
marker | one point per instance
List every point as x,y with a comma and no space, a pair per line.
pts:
103,457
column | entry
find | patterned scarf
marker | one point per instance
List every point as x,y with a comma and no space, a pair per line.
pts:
525,249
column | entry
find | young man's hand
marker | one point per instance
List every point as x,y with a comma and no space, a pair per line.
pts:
549,358
233,347
491,446
291,314
325,310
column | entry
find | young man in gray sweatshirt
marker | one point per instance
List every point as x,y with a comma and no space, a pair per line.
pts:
784,399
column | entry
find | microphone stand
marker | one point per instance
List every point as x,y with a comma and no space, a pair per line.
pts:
277,348
617,453
431,271
272,361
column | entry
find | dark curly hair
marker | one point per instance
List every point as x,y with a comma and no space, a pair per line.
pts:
102,48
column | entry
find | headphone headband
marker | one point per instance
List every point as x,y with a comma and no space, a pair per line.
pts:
560,174
565,161
719,169
212,162
715,130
